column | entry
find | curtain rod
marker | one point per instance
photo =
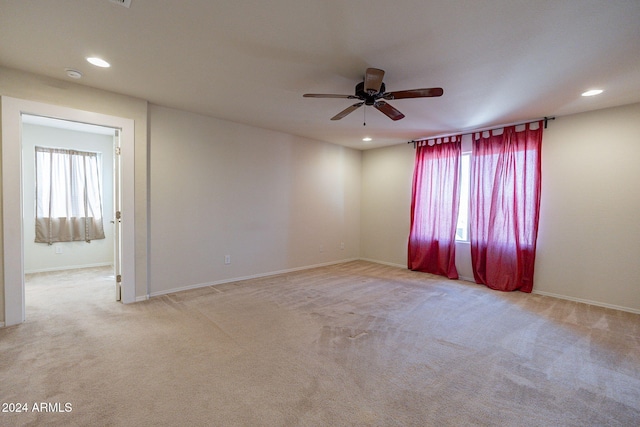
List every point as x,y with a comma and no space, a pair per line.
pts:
545,119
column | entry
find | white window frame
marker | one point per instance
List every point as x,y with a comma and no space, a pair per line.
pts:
465,197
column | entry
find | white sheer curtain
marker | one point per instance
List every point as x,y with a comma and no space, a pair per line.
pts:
68,195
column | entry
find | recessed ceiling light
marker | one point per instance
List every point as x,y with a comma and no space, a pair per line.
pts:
125,3
98,62
366,139
74,74
592,92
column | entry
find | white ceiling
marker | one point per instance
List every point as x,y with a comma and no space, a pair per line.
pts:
250,61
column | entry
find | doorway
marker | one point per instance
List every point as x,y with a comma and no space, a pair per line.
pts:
64,257
13,223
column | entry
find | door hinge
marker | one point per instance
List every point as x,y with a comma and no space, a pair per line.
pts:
119,278
118,151
118,215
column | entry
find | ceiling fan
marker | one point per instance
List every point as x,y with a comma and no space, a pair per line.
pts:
372,91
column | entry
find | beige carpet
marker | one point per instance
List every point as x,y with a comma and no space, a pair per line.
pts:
356,344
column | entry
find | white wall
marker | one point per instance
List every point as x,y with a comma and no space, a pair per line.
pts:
41,256
386,202
271,201
589,235
387,175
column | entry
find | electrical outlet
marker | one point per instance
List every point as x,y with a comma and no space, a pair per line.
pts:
227,259
342,246
321,248
58,249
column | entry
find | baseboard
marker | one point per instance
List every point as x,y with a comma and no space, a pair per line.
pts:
391,264
68,267
549,294
239,279
586,301
308,267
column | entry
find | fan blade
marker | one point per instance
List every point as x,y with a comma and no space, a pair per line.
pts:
414,93
388,110
347,111
373,80
328,95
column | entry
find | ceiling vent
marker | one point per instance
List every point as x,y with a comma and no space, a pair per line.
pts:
125,3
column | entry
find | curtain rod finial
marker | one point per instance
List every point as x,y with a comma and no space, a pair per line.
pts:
546,120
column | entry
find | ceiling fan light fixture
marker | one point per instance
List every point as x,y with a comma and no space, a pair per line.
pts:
372,92
98,62
592,92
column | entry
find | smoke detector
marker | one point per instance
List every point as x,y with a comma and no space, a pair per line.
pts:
74,74
125,3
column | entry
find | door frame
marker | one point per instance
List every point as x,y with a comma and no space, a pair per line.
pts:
117,210
13,224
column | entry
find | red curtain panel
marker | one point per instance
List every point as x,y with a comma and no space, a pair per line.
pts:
434,207
505,206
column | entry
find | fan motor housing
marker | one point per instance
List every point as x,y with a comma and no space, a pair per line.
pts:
369,99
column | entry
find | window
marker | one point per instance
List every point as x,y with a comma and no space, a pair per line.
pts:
462,228
68,195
